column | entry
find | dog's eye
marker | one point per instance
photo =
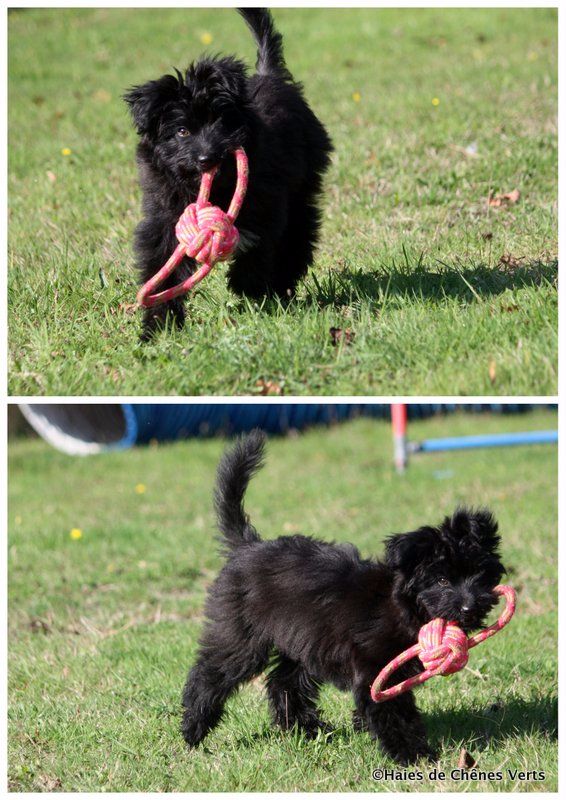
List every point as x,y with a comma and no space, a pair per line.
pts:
443,582
183,132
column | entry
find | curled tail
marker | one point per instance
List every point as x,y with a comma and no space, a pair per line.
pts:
236,467
270,59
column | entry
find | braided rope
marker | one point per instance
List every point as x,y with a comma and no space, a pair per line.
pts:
205,233
442,649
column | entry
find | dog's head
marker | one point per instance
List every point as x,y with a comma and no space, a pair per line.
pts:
449,571
192,122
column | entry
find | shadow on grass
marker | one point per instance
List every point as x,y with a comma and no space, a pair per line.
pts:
339,288
494,725
373,290
490,727
345,287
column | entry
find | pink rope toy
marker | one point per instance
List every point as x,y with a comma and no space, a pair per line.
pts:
205,233
442,649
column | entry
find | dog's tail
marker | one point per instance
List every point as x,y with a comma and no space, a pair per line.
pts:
270,59
236,467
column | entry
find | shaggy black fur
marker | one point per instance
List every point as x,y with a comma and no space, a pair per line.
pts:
315,612
192,122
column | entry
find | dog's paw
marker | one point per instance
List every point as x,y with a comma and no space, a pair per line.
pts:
193,731
147,334
160,318
359,723
407,756
313,729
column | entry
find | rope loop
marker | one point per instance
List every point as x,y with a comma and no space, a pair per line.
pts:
442,648
205,233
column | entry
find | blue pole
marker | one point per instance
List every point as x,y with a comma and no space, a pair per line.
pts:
487,440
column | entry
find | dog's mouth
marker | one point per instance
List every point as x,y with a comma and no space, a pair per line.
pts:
469,623
469,619
189,174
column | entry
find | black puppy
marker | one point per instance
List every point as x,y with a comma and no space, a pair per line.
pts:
192,122
318,612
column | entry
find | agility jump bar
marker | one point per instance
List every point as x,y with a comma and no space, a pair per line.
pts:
486,440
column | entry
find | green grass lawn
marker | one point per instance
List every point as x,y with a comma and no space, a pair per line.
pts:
103,628
430,110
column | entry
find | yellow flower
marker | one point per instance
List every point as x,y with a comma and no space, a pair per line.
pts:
356,97
66,151
532,56
140,488
18,520
76,533
206,38
435,101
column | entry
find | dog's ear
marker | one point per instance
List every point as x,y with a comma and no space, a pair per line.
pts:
217,80
405,551
478,527
147,101
233,77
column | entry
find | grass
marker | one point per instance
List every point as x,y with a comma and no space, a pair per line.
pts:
443,293
103,628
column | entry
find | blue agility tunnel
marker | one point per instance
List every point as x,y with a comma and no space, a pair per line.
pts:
95,428
82,429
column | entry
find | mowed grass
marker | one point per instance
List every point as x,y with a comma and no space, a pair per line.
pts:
102,629
435,291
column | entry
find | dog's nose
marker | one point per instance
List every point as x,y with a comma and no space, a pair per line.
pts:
206,162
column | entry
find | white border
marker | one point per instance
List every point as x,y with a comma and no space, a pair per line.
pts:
252,398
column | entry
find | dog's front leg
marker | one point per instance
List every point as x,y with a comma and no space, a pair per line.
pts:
153,249
156,319
396,723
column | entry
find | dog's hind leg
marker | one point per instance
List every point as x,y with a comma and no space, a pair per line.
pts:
293,696
396,723
216,674
295,252
251,272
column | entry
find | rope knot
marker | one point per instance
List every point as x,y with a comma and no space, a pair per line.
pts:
444,647
207,233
